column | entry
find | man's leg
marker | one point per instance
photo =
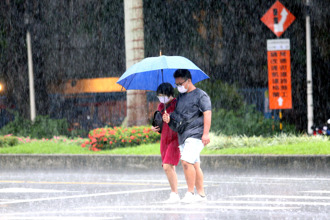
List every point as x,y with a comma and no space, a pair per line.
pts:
199,179
190,175
171,176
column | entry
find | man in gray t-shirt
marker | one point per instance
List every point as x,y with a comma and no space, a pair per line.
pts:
194,106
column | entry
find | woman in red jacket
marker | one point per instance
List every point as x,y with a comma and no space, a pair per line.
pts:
169,145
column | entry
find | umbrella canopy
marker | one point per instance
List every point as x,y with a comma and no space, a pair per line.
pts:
150,72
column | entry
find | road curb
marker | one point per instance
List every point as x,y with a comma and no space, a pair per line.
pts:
241,163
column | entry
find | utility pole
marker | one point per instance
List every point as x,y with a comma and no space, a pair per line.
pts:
137,109
310,108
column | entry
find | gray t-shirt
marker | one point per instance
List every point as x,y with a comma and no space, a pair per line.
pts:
190,105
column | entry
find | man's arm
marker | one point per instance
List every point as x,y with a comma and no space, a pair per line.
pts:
207,126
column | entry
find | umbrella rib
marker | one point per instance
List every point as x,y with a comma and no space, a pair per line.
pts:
157,77
129,83
162,76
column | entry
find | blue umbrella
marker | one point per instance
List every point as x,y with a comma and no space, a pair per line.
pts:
150,72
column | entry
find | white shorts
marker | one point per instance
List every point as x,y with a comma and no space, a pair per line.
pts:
190,150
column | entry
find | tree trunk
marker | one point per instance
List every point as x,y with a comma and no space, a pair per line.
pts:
137,111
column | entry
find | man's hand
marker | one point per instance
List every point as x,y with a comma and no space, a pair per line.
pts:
166,117
205,139
155,129
207,126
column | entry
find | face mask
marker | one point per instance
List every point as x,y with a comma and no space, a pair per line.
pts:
163,99
182,89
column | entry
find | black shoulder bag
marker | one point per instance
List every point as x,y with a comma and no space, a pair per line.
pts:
158,119
178,123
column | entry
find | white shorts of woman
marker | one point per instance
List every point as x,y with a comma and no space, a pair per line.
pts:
190,150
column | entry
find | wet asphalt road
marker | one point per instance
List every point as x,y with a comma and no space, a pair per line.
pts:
139,195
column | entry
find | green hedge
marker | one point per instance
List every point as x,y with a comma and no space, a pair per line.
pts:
246,121
43,127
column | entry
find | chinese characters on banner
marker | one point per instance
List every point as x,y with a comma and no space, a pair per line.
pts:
279,74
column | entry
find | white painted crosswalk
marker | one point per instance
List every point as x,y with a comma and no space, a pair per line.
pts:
229,197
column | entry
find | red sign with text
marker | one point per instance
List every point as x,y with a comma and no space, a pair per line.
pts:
279,74
278,18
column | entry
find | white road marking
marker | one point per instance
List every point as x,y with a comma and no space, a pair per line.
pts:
317,191
255,183
165,181
148,181
59,218
62,218
288,178
80,183
184,209
213,208
112,209
30,190
196,206
87,195
271,202
283,197
199,208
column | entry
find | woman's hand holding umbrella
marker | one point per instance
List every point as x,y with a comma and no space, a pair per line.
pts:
166,117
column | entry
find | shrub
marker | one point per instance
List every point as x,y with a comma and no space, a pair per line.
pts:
109,138
42,127
56,139
245,121
221,141
45,127
8,141
19,126
78,133
222,95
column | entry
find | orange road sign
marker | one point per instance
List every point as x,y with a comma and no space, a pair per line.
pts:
278,18
279,74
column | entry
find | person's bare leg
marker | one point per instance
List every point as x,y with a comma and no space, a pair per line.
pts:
190,175
171,176
199,179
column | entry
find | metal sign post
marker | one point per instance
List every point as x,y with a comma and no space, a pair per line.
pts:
310,108
278,19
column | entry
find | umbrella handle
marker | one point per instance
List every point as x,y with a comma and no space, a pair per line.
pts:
164,99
